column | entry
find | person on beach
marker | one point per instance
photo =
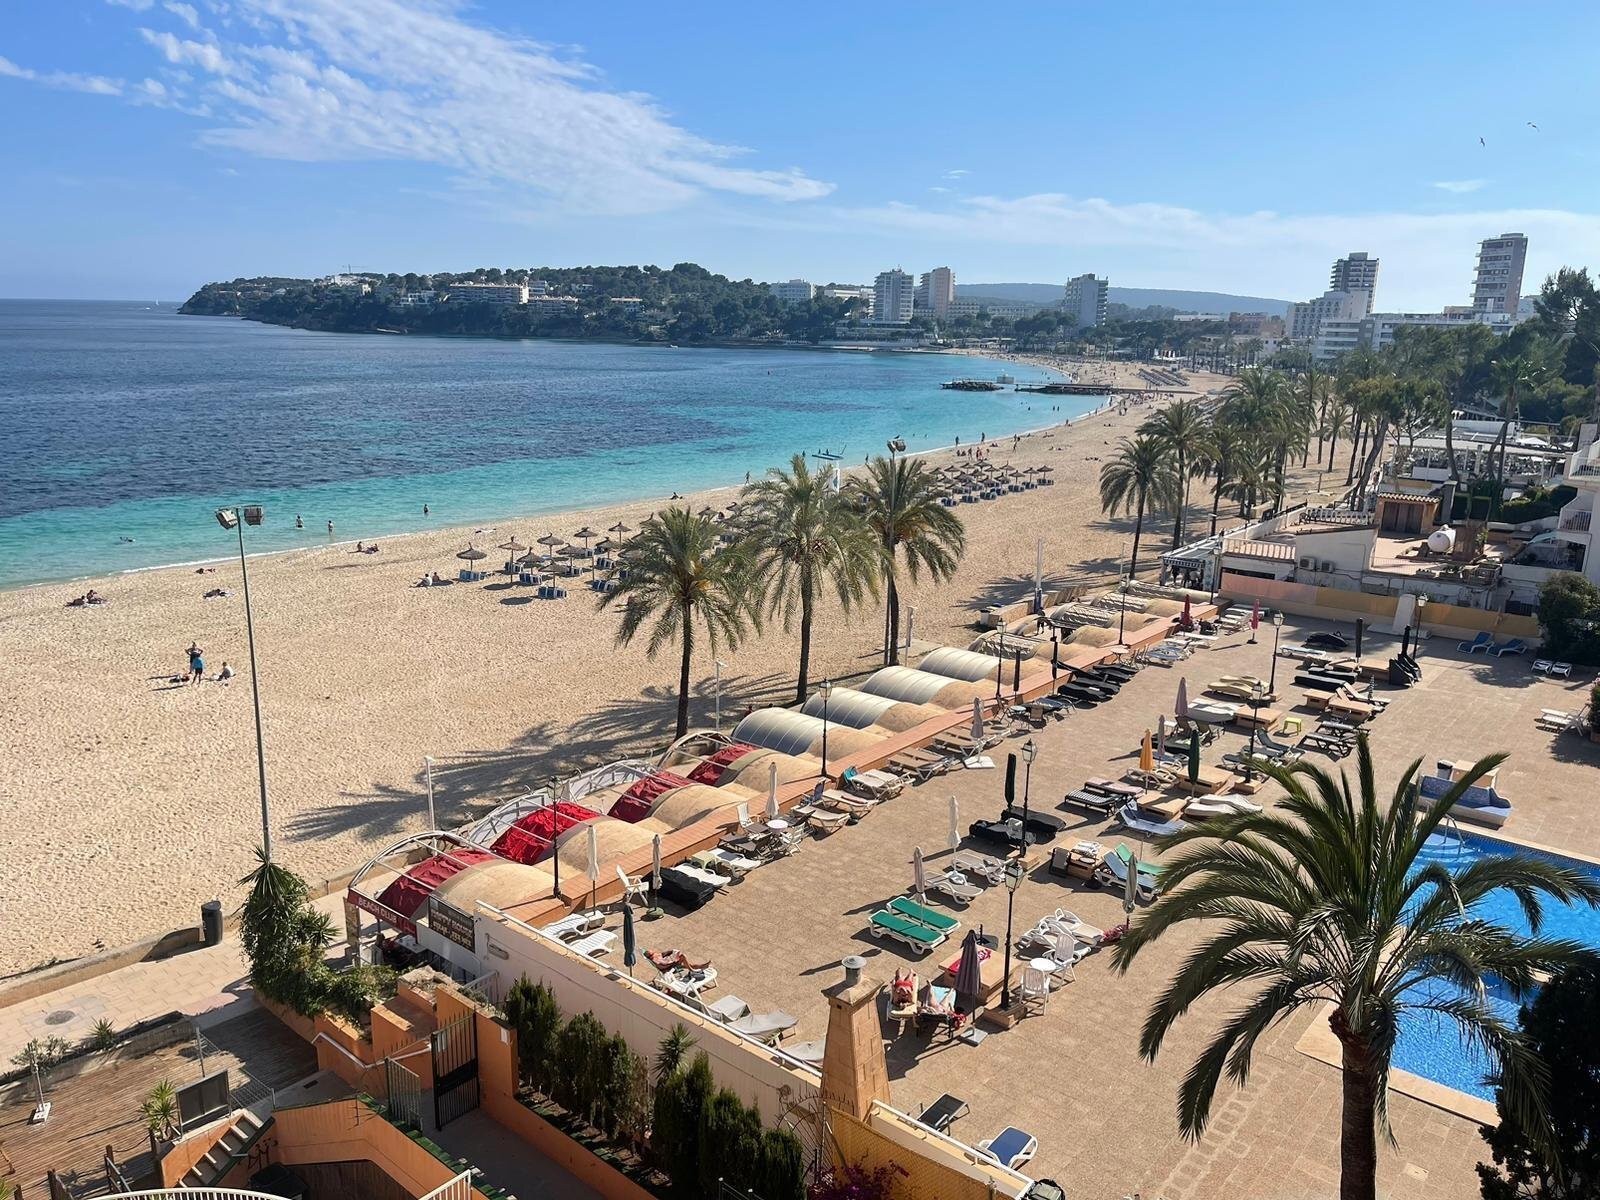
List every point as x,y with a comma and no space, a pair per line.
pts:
361,548
224,675
298,522
197,664
330,528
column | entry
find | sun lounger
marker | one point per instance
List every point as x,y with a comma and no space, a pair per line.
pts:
1093,801
1037,822
921,913
1008,833
1011,1147
722,861
1514,646
710,878
1114,870
876,785
1481,642
1333,747
1561,670
823,821
575,924
954,885
981,865
1130,818
685,982
736,1015
943,1112
1541,666
1051,926
923,764
1556,720
855,806
917,936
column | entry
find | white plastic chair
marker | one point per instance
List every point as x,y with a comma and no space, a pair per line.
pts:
633,887
1035,987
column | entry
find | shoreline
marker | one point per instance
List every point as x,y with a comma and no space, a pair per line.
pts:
143,792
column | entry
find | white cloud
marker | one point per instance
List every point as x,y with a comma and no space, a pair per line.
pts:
136,5
956,173
1425,256
1460,186
184,12
97,85
349,80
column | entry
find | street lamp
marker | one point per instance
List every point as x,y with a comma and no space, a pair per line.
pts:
1277,632
717,665
1122,607
1256,693
1030,751
1014,872
827,691
236,519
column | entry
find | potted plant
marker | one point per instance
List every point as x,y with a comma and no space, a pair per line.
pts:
162,1119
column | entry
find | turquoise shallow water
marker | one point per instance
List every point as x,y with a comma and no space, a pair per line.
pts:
125,420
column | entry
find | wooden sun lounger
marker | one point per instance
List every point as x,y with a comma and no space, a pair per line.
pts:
922,763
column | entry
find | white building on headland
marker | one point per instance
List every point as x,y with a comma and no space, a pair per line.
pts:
1084,299
935,290
488,293
1304,320
1377,331
893,298
1009,310
848,291
1497,286
792,291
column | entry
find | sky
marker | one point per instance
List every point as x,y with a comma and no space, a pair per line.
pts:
149,146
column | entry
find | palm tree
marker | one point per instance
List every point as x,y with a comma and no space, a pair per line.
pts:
1139,479
1327,898
898,499
1510,374
1180,427
1219,458
801,535
677,579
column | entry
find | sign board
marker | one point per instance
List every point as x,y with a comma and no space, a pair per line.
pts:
450,922
204,1101
382,911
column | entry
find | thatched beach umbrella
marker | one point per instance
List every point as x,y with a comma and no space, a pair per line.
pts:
620,528
586,534
472,553
513,545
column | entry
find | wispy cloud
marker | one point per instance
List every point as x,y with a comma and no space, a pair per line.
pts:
1459,187
70,81
422,82
956,173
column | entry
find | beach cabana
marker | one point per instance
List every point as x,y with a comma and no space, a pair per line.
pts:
913,686
959,664
634,805
752,772
614,838
712,768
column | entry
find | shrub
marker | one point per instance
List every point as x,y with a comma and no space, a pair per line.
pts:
160,1111
680,1100
781,1168
578,1054
856,1183
1569,610
729,1137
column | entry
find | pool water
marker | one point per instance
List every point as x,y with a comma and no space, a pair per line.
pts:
1431,1046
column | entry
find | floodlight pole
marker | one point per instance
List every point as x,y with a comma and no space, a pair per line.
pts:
255,686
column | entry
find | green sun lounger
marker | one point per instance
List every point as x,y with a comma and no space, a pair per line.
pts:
1152,869
923,915
901,928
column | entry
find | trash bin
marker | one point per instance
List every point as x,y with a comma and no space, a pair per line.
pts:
211,922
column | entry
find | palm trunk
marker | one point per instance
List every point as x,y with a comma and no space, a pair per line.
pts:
1138,528
892,612
1183,500
804,680
1216,501
1355,448
683,671
1450,443
1333,445
1358,1139
1379,435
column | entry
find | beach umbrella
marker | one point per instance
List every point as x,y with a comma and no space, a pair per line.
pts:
1194,757
969,970
772,790
552,540
587,535
630,948
1147,761
472,553
955,824
1180,707
1255,617
592,867
513,545
919,878
1161,738
977,717
1130,889
620,528
655,863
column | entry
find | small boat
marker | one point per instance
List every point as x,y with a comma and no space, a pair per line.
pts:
970,385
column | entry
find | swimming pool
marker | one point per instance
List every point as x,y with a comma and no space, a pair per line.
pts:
1431,1046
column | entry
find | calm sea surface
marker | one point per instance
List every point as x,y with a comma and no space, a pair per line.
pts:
127,421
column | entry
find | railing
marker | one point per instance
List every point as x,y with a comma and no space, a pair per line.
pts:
1337,516
459,1188
1247,548
235,1194
487,986
1577,521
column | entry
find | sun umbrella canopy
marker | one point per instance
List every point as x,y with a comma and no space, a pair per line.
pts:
919,877
513,545
619,527
969,971
1147,761
473,554
551,539
1180,707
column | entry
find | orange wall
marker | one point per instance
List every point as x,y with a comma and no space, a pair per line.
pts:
348,1131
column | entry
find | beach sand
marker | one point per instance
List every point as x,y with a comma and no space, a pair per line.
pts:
129,799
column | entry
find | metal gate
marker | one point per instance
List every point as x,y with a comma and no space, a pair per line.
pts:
404,1106
455,1070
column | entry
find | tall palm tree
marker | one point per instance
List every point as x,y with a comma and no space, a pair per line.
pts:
1219,459
802,535
1327,898
1139,479
1510,373
1181,427
676,580
898,499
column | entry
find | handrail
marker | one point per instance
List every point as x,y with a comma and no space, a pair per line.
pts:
971,1153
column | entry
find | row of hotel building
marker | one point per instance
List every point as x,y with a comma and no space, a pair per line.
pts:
1342,318
895,298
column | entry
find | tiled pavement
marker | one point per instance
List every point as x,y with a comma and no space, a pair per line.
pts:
1105,1120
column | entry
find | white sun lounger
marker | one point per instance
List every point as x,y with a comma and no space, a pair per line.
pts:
685,982
736,1015
715,880
954,885
593,945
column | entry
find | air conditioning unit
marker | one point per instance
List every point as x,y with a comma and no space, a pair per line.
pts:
1309,564
1327,567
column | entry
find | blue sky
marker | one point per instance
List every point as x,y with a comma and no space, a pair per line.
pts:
151,145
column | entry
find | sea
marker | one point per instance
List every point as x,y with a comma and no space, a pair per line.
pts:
125,426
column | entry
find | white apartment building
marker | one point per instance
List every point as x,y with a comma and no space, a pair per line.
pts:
935,290
1377,331
1084,299
552,306
1497,287
1305,319
792,291
893,298
847,291
1355,272
488,293
1010,310
1335,338
413,300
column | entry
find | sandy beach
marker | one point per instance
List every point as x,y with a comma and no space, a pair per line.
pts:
131,799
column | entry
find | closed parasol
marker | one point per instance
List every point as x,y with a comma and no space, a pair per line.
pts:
1147,760
1180,707
919,876
969,969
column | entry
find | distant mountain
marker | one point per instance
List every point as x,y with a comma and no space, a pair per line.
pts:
1050,293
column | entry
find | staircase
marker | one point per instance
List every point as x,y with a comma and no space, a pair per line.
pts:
246,1127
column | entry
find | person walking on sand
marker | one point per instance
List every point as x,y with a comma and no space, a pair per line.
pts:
197,663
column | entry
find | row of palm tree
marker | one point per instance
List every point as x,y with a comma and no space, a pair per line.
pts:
796,540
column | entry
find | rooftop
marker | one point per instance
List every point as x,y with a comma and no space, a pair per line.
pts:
1072,1076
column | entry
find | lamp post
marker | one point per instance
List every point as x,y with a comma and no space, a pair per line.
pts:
1256,692
1277,632
1014,873
1030,751
717,666
911,622
237,518
427,764
827,692
1122,608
